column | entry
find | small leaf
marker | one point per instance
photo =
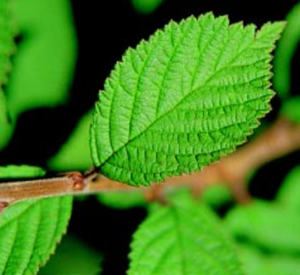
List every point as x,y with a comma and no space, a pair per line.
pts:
181,238
146,6
216,195
290,109
73,257
74,153
270,226
30,231
6,127
21,171
3,110
257,263
180,101
289,192
7,48
7,45
284,52
122,200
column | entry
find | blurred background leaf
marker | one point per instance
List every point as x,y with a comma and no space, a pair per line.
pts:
256,262
285,50
7,48
266,225
75,152
290,108
21,171
289,192
73,257
146,6
44,65
122,200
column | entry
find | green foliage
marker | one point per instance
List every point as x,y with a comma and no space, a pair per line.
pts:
73,257
146,6
169,241
120,200
44,65
290,109
272,227
21,171
29,232
285,50
7,48
7,45
74,154
3,109
288,194
256,262
178,102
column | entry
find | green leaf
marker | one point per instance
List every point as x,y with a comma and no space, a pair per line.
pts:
21,171
270,226
290,109
257,263
75,154
7,48
289,192
7,45
122,200
183,237
146,6
44,65
216,195
73,257
30,231
3,110
183,99
285,50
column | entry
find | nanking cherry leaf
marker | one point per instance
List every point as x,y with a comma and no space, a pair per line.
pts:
182,238
30,229
183,99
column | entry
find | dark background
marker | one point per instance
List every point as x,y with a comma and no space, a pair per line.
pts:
105,29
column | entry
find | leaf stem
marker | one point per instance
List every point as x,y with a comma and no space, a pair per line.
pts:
280,139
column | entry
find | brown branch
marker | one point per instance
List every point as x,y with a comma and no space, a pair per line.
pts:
280,139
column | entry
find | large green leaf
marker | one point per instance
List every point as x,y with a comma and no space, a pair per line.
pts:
181,238
29,232
188,96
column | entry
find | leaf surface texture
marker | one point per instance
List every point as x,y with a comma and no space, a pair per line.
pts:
183,238
29,232
31,229
183,99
